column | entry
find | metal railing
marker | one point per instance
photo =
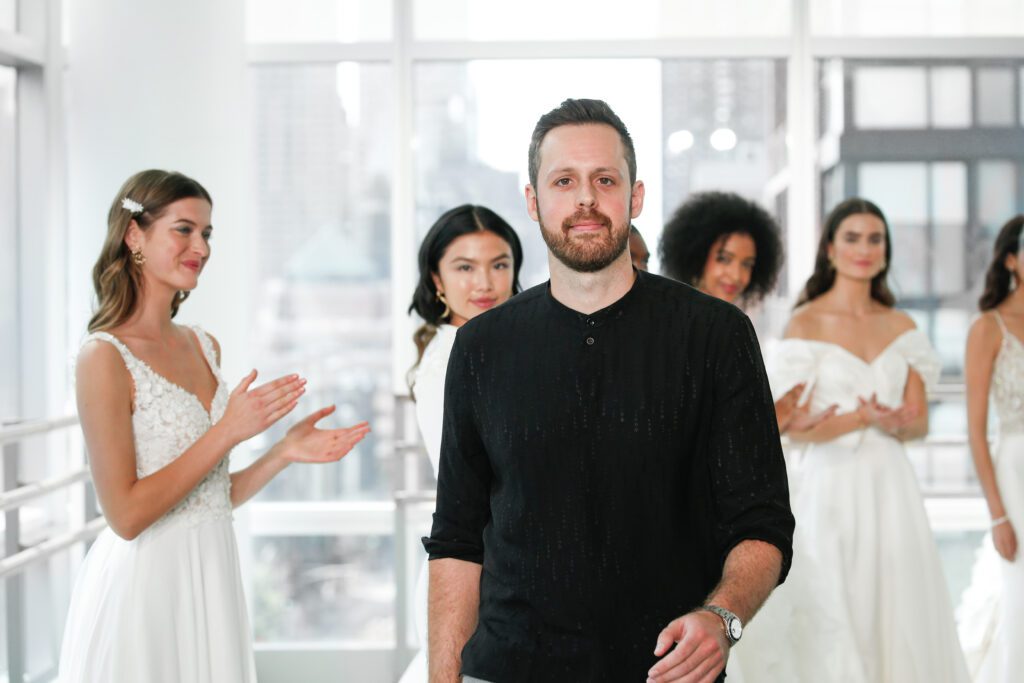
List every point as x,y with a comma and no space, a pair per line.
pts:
18,557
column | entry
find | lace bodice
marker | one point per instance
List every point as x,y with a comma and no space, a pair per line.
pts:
166,420
1008,381
839,377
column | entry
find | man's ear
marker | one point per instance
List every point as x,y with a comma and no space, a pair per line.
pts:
636,199
531,203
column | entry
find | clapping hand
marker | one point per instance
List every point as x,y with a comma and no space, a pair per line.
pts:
249,412
889,420
305,442
792,415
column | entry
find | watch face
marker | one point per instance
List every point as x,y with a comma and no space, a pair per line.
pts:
735,629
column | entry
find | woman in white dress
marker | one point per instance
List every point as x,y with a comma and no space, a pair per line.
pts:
159,596
469,262
992,630
866,601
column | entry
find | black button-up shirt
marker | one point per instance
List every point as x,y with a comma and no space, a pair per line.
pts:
600,467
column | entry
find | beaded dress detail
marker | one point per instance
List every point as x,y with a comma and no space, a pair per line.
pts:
166,420
1008,381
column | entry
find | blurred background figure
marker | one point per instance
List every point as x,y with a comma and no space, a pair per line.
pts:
638,251
992,611
469,262
866,554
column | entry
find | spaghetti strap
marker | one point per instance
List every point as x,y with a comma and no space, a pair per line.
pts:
1002,325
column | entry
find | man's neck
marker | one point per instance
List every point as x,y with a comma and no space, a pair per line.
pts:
589,292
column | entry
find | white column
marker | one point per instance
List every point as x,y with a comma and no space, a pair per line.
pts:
162,85
801,134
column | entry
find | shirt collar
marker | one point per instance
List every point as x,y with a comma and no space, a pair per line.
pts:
609,313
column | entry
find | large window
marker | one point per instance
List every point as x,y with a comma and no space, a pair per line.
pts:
322,177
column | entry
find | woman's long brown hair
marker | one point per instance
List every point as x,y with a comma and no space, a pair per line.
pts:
115,277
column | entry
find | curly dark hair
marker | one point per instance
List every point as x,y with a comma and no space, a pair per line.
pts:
998,280
707,218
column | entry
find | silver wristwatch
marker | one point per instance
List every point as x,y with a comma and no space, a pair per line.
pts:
733,625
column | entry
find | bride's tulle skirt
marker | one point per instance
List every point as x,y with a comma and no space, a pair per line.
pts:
165,607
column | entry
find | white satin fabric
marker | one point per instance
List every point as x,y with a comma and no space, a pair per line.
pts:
866,600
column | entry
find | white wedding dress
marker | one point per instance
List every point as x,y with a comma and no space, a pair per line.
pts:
429,390
168,605
992,608
866,600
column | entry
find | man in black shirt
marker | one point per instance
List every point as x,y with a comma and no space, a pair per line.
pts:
612,501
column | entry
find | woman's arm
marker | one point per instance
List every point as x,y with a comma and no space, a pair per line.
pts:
304,442
131,504
982,348
830,428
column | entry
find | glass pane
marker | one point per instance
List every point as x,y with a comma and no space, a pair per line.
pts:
473,122
889,97
901,191
317,21
950,339
951,97
949,220
316,588
46,599
321,141
8,256
1020,96
997,194
9,15
600,19
917,17
996,97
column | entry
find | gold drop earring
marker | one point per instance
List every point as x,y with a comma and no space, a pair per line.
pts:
447,311
138,258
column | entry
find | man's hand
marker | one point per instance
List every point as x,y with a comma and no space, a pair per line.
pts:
700,653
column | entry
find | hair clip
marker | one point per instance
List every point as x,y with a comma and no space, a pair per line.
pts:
132,205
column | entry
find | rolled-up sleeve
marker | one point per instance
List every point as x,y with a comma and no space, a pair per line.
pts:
747,472
464,476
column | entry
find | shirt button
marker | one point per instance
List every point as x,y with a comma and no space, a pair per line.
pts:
590,341
590,321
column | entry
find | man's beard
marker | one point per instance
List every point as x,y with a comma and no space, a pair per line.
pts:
587,252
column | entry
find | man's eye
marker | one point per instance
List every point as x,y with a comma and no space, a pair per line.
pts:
562,182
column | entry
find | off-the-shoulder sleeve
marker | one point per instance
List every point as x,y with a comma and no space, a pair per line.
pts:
789,362
921,356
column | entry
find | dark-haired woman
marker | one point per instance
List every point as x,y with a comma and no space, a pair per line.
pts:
870,603
728,247
993,630
469,263
159,596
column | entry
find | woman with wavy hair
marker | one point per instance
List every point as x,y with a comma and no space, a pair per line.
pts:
867,598
992,630
469,262
159,596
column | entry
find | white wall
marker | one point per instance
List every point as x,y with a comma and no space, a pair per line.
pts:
161,85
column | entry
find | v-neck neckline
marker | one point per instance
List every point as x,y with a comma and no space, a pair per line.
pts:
171,383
